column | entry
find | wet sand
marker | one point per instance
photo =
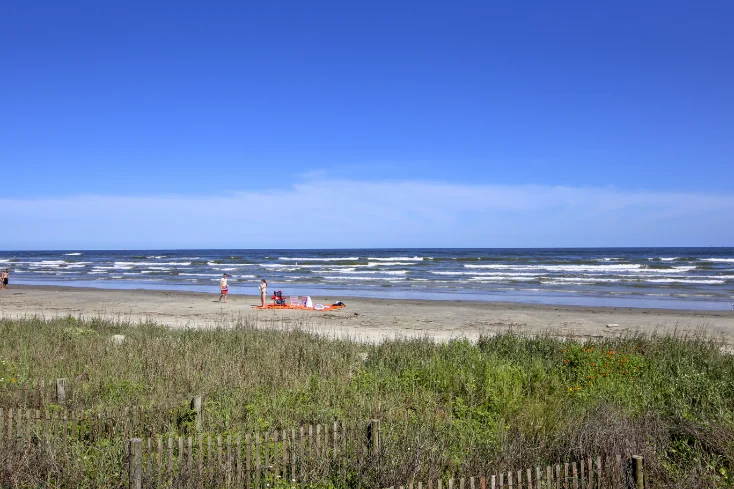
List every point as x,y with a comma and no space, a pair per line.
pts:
363,319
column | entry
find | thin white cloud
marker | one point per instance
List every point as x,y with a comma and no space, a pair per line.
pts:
350,213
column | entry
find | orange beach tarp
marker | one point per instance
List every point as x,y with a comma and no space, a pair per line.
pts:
301,308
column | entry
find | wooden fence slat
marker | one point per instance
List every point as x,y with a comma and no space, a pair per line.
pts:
228,464
209,459
275,459
219,454
266,454
301,445
64,427
46,424
248,455
178,468
310,442
345,438
149,460
159,460
135,477
292,454
199,459
256,458
238,461
610,471
28,427
169,461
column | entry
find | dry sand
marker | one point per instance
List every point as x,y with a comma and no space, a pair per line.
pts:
362,319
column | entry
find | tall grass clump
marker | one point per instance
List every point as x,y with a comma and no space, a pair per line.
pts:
505,402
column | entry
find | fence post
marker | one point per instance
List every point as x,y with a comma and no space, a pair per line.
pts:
135,461
373,436
196,406
61,391
637,471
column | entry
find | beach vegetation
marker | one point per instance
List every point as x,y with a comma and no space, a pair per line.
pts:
507,401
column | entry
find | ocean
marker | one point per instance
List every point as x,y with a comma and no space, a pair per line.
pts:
690,278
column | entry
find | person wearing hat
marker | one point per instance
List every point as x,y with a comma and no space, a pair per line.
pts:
223,288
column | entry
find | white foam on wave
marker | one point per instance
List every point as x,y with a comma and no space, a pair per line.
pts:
367,272
492,274
629,267
610,259
357,277
72,254
397,258
219,275
154,263
685,281
560,268
578,280
47,263
119,267
503,279
390,264
719,260
236,265
348,258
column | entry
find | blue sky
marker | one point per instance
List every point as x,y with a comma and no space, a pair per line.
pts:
350,124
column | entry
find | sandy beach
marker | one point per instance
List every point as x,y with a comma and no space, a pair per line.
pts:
363,319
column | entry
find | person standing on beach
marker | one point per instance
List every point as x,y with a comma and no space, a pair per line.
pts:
263,290
4,276
223,288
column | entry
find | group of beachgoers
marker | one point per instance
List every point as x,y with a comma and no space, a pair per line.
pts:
4,278
224,289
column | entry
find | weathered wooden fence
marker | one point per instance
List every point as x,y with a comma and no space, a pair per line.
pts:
260,460
309,453
592,473
184,456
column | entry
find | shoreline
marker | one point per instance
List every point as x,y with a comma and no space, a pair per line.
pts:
364,319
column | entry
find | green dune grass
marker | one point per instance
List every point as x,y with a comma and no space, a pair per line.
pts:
509,401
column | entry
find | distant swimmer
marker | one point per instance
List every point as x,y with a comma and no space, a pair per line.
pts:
223,288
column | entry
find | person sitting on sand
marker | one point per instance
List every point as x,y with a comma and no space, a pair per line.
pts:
263,290
223,288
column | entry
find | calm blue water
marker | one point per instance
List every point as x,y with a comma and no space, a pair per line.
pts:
698,278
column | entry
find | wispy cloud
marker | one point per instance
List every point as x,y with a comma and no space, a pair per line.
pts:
350,213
